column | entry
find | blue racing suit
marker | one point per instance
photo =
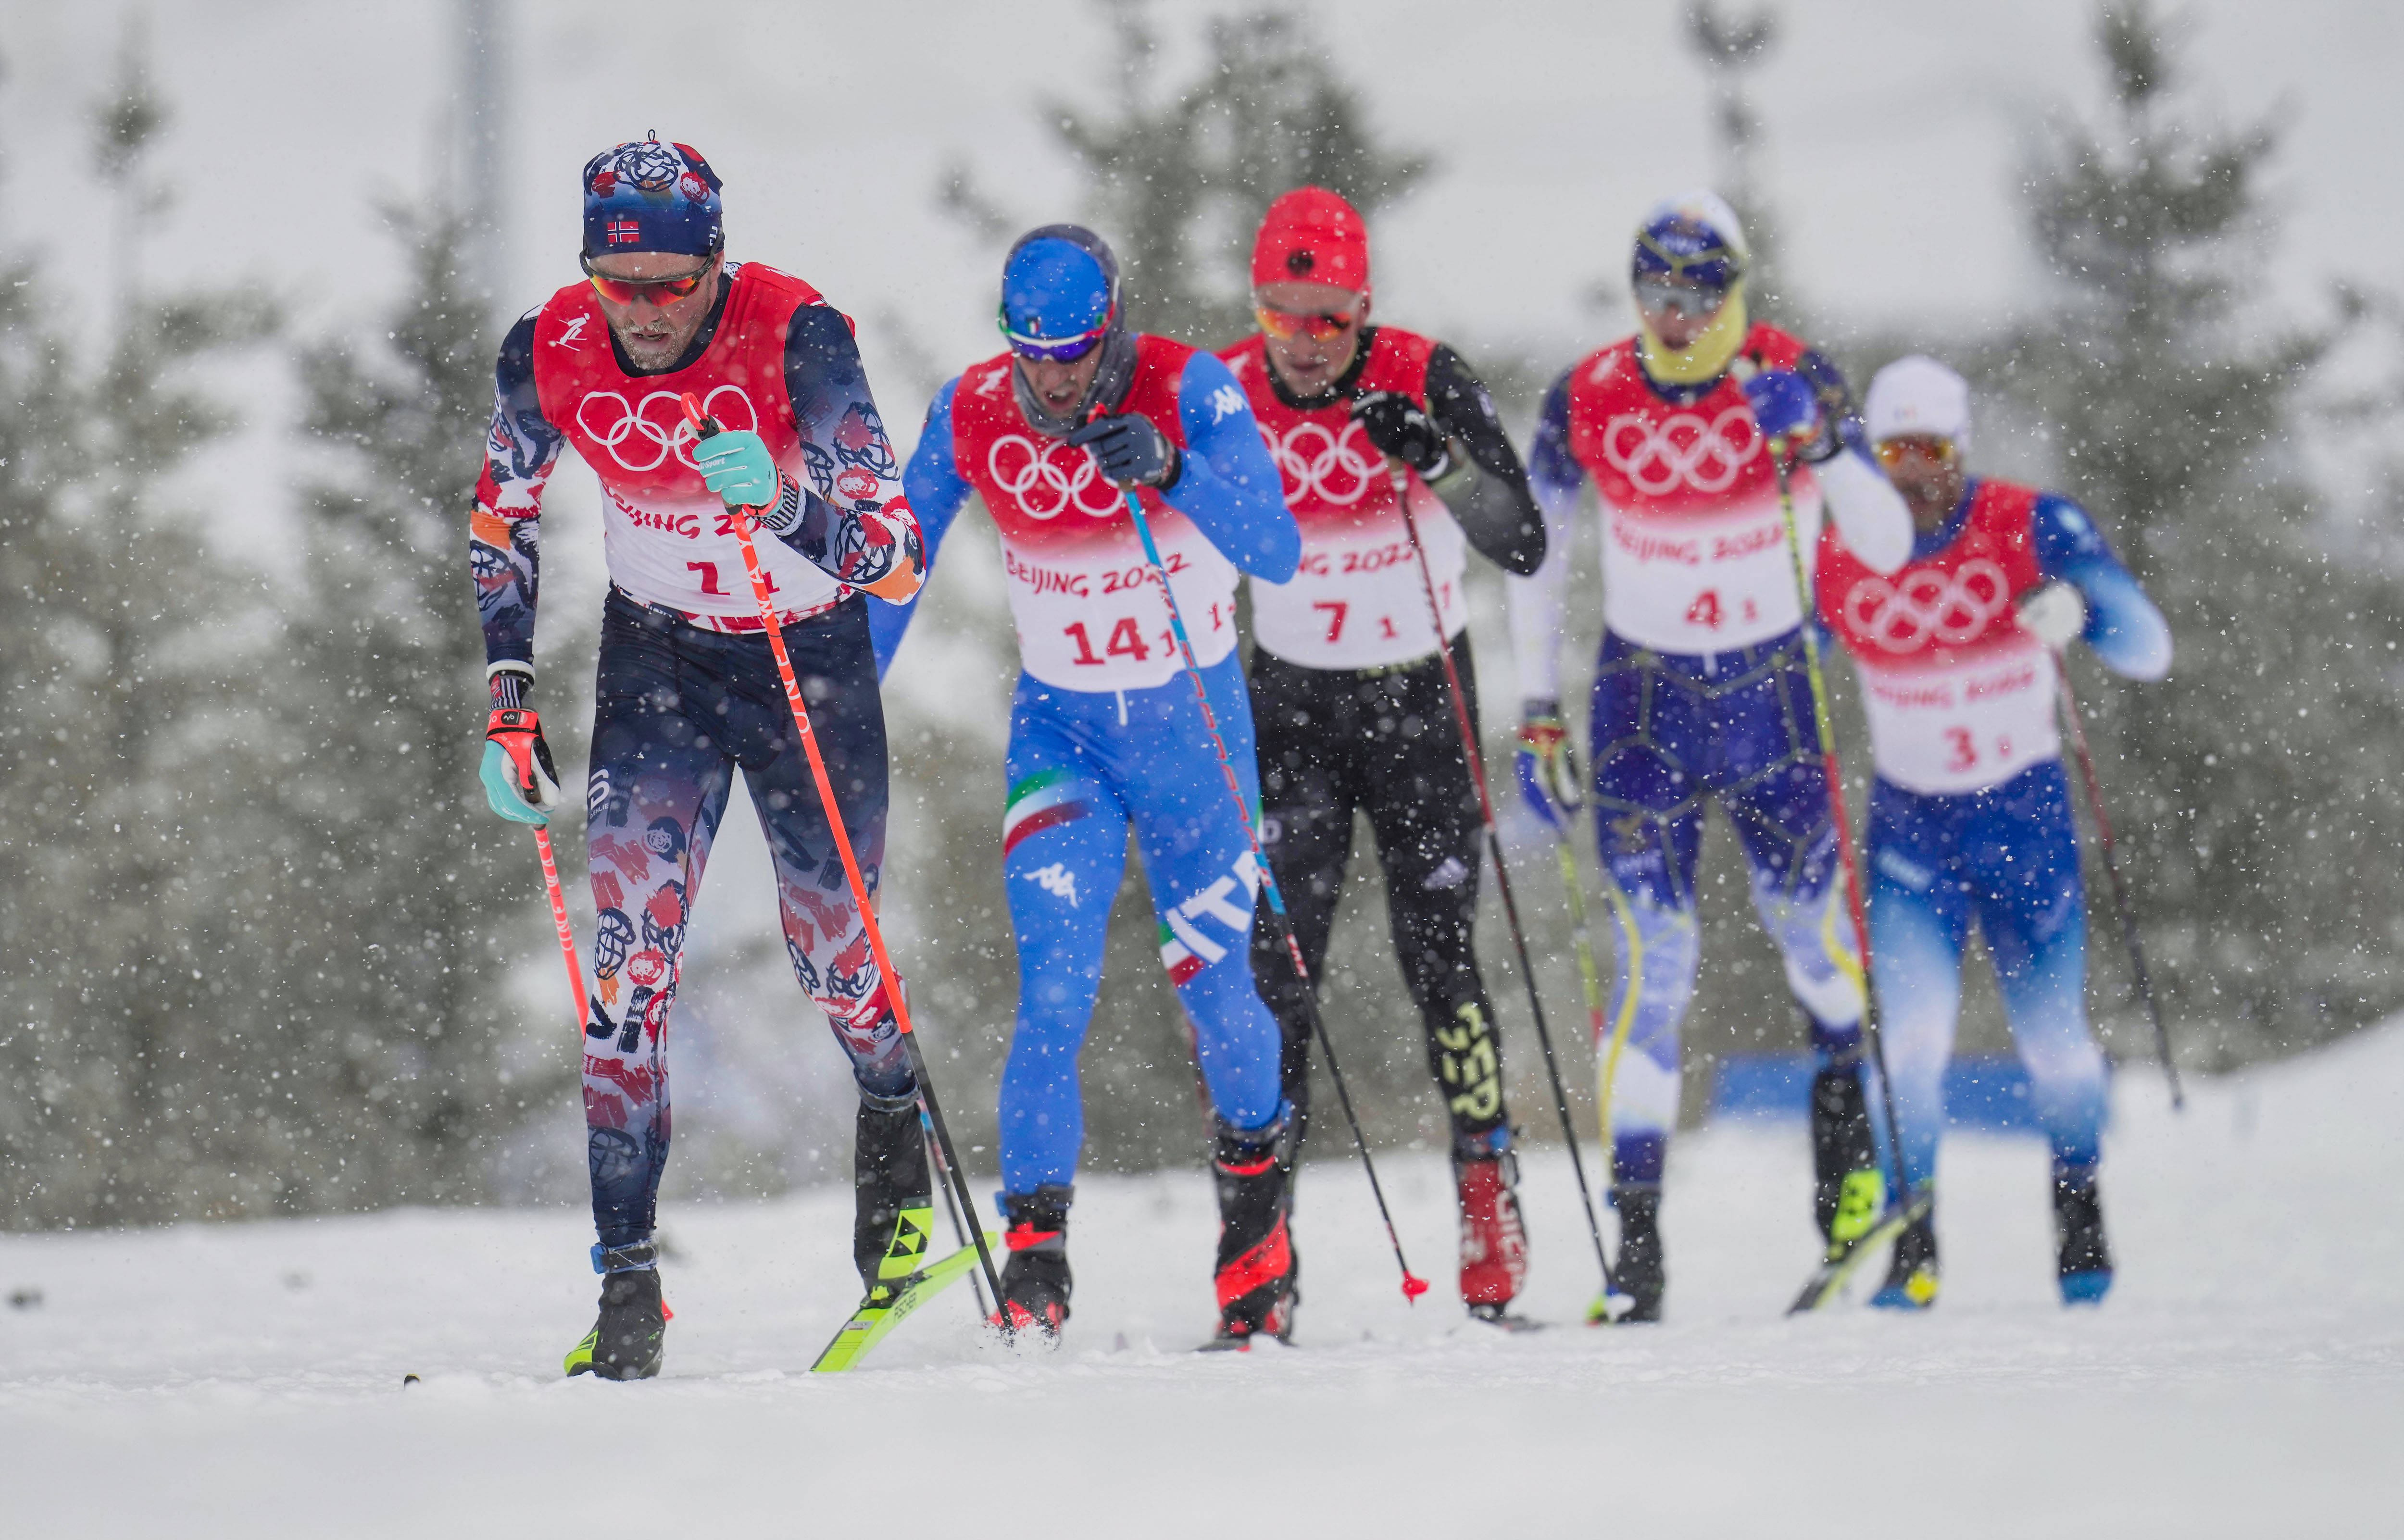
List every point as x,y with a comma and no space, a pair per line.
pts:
2002,855
1104,734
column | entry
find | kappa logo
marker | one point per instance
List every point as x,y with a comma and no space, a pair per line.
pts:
571,335
640,436
1056,879
1681,448
1450,875
1224,403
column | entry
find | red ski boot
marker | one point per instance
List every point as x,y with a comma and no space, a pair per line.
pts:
1493,1239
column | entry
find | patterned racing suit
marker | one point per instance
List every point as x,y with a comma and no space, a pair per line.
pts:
687,691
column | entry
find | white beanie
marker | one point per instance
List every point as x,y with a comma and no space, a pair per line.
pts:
1916,394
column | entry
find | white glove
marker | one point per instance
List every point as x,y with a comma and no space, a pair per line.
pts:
2055,615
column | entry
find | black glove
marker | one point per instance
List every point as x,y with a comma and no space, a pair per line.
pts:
1401,427
1132,451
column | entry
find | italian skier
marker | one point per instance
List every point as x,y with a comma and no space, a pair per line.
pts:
1970,820
1348,695
1105,735
1700,692
687,693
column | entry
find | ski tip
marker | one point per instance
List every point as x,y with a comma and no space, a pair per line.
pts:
1413,1286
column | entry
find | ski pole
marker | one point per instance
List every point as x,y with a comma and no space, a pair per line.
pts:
952,1205
1476,762
702,427
559,923
1413,1285
2137,968
1833,772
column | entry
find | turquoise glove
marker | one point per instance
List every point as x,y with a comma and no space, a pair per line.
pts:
520,781
736,464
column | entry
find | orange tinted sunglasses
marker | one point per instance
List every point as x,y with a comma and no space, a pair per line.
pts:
1320,326
1894,451
658,291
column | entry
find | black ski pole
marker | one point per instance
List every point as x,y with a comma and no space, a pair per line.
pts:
1468,730
1413,1285
703,426
952,1205
1834,772
2143,976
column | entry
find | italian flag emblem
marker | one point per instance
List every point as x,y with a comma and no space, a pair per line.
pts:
1043,800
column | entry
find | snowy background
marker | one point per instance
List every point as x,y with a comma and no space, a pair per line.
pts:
265,958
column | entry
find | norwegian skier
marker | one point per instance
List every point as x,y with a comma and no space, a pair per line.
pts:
687,693
1106,734
1700,693
1970,820
1348,692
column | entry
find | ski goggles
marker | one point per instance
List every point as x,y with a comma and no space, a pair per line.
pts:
658,291
1319,325
1052,350
1656,294
1893,453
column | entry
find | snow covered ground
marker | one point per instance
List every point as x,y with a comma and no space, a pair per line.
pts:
2246,1379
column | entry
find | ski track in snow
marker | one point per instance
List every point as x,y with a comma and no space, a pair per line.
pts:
2246,1378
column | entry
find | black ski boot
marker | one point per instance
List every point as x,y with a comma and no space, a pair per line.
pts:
627,1341
1255,1270
1035,1280
1911,1277
1849,1190
894,1214
2082,1262
1640,1276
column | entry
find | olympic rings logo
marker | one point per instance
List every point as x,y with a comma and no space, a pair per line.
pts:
1705,455
656,421
1928,607
1048,480
1331,465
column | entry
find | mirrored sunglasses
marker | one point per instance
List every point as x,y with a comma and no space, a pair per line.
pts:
1319,325
658,291
1893,453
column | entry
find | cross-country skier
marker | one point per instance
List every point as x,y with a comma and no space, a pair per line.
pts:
1349,694
1701,692
687,692
1105,735
1970,819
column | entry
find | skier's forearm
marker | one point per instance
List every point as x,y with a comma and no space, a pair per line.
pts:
937,493
1228,485
504,547
505,559
2123,627
1502,519
1868,512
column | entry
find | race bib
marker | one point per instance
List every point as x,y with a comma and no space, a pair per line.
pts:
1963,727
1695,582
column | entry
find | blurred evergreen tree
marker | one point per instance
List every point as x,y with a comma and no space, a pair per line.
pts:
419,901
2249,778
144,1054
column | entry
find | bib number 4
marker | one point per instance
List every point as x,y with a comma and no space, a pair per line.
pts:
1707,612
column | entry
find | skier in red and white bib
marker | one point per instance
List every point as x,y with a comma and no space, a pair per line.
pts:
1348,692
1970,820
1701,694
687,691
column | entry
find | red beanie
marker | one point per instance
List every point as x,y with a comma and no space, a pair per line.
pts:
1311,236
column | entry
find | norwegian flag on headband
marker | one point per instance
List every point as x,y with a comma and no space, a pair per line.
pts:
647,196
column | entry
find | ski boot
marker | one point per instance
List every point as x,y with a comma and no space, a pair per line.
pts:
1911,1277
893,1217
1848,1189
1255,1270
627,1339
1035,1280
2082,1262
1493,1238
1639,1277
